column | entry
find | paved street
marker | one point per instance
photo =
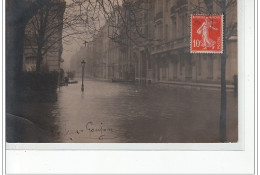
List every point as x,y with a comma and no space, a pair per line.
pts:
121,112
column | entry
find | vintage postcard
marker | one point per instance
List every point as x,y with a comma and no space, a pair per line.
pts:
121,71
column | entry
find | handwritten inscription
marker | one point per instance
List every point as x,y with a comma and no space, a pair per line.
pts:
96,131
91,128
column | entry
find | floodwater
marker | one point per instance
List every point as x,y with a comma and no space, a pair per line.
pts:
124,112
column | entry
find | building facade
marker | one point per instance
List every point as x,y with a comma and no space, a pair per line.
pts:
169,60
163,56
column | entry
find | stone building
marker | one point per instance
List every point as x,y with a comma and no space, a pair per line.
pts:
168,60
163,55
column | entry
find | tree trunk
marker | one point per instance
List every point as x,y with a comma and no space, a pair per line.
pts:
223,105
223,97
39,60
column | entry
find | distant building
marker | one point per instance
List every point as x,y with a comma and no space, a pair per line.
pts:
51,47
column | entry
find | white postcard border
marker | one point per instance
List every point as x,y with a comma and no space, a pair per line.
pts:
25,158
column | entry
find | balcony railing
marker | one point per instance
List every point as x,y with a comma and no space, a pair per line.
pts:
175,44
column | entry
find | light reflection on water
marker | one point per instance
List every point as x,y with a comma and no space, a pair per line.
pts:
121,112
118,112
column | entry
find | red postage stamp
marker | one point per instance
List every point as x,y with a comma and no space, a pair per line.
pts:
206,34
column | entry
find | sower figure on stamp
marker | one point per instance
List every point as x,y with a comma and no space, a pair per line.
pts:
204,30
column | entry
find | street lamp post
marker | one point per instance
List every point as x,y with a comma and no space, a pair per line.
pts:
83,66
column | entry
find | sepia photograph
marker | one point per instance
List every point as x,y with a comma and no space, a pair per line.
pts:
121,71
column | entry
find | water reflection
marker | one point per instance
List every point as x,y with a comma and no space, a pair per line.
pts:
143,114
118,112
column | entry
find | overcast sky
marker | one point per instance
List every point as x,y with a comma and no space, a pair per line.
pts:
74,44
70,48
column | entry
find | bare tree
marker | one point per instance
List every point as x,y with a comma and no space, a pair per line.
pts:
122,17
44,31
83,20
18,13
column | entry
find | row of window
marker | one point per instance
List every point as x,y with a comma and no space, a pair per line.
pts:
188,69
177,23
167,26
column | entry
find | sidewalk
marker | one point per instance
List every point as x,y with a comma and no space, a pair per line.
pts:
196,85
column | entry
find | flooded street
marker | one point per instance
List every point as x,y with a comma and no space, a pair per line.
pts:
122,112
